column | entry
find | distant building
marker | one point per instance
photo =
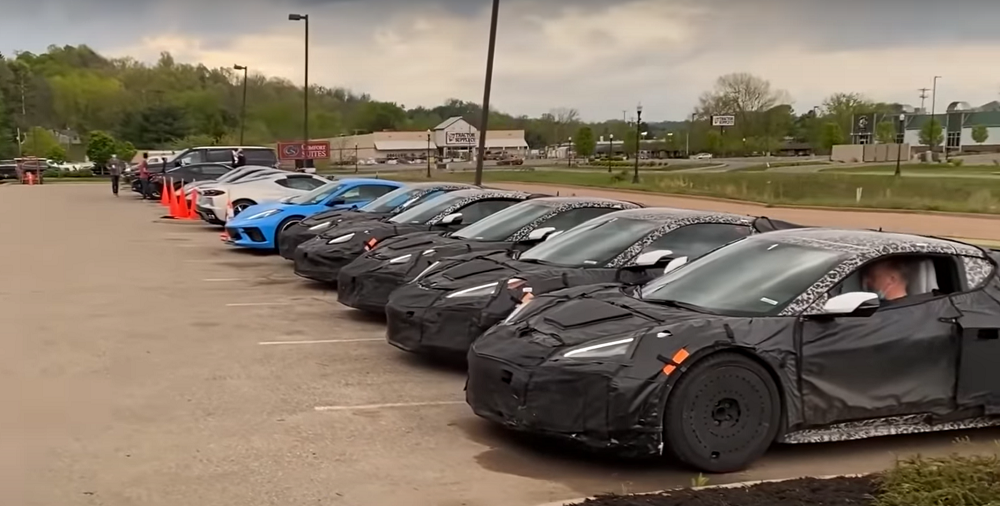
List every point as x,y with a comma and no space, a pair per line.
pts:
454,138
957,121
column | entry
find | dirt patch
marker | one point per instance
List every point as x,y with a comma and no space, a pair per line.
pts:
854,491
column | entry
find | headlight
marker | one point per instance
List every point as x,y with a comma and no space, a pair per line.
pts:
428,253
483,290
604,349
321,226
342,239
426,271
265,214
399,260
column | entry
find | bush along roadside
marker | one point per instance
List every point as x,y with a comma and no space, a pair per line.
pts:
67,174
916,481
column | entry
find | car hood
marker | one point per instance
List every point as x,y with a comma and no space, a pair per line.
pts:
580,315
341,216
371,228
255,209
442,244
479,268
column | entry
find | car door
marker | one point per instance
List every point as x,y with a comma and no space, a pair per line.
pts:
979,342
899,361
215,171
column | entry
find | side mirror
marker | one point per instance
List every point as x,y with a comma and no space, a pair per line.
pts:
857,304
675,264
451,219
336,202
651,258
540,234
553,234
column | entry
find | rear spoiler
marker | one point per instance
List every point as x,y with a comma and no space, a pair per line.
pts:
765,224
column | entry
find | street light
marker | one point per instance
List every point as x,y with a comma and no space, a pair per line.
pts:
305,89
899,143
638,134
933,120
355,157
569,147
611,150
243,111
428,154
487,88
687,141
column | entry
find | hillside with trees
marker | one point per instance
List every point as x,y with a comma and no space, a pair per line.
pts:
171,105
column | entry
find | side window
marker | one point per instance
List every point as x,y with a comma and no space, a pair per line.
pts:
694,241
192,157
374,191
352,195
574,217
260,156
479,210
300,183
220,156
897,276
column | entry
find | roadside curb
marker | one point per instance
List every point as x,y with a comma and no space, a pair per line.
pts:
760,204
738,484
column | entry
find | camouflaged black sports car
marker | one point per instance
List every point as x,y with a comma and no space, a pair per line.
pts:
794,336
366,282
384,207
322,257
456,299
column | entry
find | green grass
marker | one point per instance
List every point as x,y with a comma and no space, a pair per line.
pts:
808,189
764,166
956,480
937,168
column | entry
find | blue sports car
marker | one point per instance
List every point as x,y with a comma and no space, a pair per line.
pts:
258,226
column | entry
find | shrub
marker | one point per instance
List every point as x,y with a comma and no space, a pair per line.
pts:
957,162
957,480
51,173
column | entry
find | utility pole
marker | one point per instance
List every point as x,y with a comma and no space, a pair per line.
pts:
487,89
24,116
923,96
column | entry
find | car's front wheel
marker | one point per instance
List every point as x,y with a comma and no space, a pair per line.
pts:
240,205
723,414
282,227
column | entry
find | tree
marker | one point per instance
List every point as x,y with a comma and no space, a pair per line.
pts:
125,150
751,99
39,142
56,154
629,142
931,134
832,135
584,142
100,147
980,134
885,132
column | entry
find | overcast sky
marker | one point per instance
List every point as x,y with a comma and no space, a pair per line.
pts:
600,57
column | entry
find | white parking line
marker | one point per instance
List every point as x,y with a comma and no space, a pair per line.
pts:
389,405
222,280
328,341
255,304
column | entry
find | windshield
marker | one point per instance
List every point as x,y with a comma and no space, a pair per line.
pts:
723,282
593,243
318,195
386,203
503,224
420,214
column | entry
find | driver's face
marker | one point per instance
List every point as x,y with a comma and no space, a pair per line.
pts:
879,278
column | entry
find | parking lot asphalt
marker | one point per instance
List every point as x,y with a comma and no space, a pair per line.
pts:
144,362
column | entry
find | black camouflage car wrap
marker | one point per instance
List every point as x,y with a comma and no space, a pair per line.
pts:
319,260
716,388
366,282
316,224
425,317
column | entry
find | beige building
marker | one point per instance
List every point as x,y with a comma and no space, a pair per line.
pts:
454,138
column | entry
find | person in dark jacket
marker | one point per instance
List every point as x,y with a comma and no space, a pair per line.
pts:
147,191
115,171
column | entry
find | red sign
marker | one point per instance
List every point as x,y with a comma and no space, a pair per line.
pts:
312,150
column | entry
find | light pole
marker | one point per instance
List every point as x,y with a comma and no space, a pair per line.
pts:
687,141
243,110
305,89
611,150
428,154
638,134
569,147
484,123
899,143
933,119
355,157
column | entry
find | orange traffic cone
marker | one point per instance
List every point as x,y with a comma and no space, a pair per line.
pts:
182,205
192,212
176,212
229,209
165,194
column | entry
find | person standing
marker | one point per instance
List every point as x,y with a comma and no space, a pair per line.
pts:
147,193
115,170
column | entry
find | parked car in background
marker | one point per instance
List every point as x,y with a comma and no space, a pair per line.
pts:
255,155
260,226
214,200
702,156
239,174
180,175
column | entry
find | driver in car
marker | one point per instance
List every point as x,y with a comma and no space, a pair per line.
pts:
888,278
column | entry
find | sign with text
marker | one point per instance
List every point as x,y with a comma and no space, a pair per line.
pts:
461,139
723,121
312,150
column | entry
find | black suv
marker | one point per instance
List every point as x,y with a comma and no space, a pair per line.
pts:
255,155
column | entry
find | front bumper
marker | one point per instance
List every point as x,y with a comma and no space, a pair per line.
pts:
314,260
251,237
292,238
423,321
588,404
366,284
209,215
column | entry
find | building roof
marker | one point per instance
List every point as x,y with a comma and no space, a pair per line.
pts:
404,145
449,122
506,143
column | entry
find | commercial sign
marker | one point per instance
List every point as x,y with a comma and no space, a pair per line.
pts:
723,121
312,150
461,139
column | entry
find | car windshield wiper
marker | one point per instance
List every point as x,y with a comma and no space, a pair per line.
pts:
679,304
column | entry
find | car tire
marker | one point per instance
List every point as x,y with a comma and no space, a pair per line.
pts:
242,204
722,414
285,225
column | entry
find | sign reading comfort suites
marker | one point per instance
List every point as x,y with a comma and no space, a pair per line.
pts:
460,139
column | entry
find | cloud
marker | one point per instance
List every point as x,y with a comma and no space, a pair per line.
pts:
600,57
